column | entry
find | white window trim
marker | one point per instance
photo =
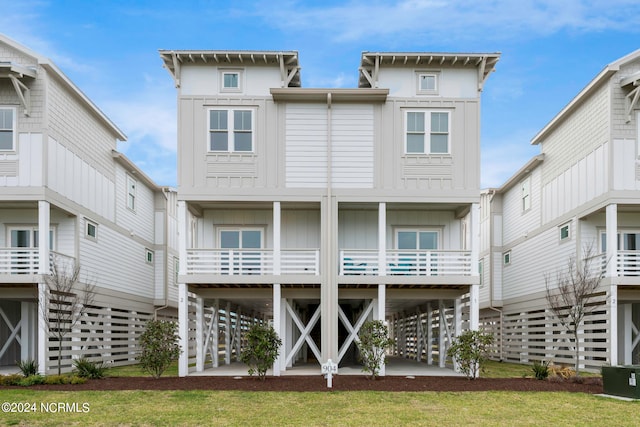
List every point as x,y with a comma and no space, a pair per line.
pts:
525,196
438,232
435,75
148,252
240,229
225,71
131,179
88,222
506,255
568,226
230,118
13,129
427,132
32,229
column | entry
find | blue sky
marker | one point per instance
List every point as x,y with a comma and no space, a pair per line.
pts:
550,50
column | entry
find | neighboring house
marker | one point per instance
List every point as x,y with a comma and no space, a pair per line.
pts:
582,190
316,209
59,172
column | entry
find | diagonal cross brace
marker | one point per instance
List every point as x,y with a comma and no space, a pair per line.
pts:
353,331
14,332
304,334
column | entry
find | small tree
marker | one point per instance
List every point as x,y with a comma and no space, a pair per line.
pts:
373,341
262,349
469,351
160,346
573,296
65,304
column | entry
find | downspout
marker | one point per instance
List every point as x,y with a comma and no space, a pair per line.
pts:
165,274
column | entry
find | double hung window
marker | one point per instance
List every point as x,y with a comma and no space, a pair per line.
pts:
7,128
131,193
427,132
231,130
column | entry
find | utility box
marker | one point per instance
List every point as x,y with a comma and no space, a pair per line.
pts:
621,381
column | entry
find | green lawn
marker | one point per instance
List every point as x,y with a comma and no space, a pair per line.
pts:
322,408
141,408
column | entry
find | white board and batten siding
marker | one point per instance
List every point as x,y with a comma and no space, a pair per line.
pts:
626,161
581,182
24,167
77,180
352,141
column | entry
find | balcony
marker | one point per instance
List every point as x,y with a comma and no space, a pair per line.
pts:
234,262
27,260
627,265
406,263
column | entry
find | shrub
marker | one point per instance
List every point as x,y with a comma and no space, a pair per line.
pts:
12,379
563,372
85,368
540,370
160,346
28,367
469,351
373,340
31,380
261,350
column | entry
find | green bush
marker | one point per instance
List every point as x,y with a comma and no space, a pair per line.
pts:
540,370
160,346
261,350
12,379
469,351
373,341
28,367
31,380
85,368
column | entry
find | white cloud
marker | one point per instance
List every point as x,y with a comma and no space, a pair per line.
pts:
464,20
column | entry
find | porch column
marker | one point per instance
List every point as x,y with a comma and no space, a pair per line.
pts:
381,315
382,239
28,329
329,286
612,273
276,238
183,328
43,332
474,289
201,350
277,325
44,223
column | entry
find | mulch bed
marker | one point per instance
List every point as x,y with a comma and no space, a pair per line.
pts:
592,385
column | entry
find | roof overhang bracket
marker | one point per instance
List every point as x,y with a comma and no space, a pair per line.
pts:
286,74
366,75
481,76
23,92
175,73
631,99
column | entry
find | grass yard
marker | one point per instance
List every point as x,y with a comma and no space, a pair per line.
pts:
94,408
333,408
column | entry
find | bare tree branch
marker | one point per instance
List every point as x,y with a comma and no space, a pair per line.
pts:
64,303
572,297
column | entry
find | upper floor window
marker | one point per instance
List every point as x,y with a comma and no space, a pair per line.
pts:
417,239
428,83
525,187
231,80
91,230
131,193
7,128
231,130
565,232
427,132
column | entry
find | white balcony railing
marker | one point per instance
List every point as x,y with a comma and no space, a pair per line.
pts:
252,261
627,264
407,262
27,260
